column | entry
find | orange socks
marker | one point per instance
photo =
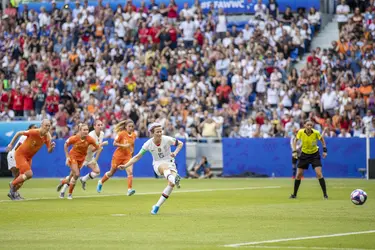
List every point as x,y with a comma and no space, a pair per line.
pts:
130,181
71,188
104,179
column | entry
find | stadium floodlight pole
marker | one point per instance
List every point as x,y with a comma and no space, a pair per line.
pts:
367,149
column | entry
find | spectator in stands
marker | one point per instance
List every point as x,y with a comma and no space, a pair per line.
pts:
342,11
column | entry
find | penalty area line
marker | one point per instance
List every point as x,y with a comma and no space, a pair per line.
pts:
301,247
299,238
146,193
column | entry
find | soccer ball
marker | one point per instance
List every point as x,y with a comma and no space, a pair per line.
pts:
358,197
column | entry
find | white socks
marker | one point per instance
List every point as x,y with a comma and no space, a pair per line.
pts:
168,175
167,191
64,188
89,176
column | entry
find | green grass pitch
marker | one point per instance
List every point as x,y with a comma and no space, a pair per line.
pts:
203,214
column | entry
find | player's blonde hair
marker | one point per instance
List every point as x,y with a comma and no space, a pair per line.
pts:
122,125
81,125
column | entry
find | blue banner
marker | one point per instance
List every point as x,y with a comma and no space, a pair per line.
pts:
9,129
229,6
267,156
53,165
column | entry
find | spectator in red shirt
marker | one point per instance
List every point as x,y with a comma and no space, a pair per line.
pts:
313,57
61,119
199,37
4,98
52,102
17,102
143,34
173,36
154,33
172,11
28,102
223,91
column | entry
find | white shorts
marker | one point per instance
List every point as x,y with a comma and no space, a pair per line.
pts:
171,166
11,160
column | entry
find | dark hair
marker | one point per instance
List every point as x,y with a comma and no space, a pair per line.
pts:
31,126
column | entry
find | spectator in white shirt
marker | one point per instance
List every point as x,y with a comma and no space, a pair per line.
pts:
344,134
328,101
181,134
188,29
342,11
260,10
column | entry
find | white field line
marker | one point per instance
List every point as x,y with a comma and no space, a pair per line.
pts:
146,193
300,247
298,238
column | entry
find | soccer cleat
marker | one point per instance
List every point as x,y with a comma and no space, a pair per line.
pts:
59,186
70,197
99,187
325,197
292,196
177,181
131,192
155,209
18,196
62,195
83,183
10,196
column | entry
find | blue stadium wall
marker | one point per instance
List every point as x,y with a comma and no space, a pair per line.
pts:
261,156
229,6
267,156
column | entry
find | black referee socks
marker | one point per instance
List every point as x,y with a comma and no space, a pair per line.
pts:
296,186
322,183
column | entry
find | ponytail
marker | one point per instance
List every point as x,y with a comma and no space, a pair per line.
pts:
122,125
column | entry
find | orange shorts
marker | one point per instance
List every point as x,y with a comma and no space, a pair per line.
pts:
22,163
75,162
117,162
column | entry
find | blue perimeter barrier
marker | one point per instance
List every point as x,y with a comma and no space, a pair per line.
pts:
53,165
267,156
260,156
229,6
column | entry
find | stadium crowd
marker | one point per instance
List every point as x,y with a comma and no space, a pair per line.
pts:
190,71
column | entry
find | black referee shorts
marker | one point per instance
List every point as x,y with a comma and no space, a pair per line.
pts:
305,160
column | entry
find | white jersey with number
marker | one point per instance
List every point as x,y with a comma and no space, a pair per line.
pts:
162,152
98,139
10,157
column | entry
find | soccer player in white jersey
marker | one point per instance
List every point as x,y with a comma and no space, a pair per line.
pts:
163,160
12,161
90,161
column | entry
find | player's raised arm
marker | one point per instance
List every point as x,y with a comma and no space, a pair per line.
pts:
15,138
133,160
180,144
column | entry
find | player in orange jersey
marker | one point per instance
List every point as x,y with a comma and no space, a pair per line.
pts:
25,152
76,156
125,147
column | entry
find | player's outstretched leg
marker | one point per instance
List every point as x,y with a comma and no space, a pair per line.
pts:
129,172
105,178
164,196
92,175
173,179
297,183
322,182
73,180
63,182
